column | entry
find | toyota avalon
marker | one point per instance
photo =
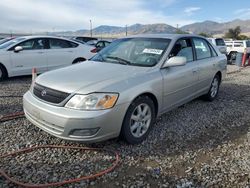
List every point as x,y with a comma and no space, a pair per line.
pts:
125,87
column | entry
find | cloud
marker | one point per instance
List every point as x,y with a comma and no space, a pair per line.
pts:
48,15
242,13
190,10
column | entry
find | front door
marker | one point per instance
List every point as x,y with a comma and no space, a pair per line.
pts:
33,55
180,82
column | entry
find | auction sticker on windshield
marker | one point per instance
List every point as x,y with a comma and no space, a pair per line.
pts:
152,51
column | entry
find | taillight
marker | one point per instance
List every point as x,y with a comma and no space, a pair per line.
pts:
94,50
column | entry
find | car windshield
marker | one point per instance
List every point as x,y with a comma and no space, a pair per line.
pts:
134,51
10,42
5,40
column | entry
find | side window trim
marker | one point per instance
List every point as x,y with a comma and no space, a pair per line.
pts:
212,50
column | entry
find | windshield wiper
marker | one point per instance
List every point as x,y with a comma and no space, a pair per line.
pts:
120,60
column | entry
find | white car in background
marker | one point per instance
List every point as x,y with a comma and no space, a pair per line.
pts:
20,55
237,46
220,44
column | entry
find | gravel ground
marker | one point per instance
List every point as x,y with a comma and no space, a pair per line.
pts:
200,144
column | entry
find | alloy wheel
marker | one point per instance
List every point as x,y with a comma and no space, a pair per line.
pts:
214,88
140,120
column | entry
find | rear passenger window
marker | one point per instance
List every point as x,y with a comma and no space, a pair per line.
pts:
183,47
58,44
202,49
73,45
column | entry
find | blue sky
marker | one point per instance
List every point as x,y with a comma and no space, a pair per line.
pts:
58,15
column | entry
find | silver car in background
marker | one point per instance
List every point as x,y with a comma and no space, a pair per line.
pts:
125,87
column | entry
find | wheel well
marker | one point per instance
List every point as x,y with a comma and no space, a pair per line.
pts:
219,74
232,52
79,59
153,98
1,65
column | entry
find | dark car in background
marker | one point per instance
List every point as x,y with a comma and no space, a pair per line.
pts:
100,45
84,39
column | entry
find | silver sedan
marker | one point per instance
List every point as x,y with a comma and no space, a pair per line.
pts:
125,87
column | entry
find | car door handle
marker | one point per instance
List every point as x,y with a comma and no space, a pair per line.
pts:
195,70
70,51
40,52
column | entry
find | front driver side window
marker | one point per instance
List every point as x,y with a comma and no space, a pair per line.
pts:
33,44
183,47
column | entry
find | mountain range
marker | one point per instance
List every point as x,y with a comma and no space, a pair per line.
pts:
209,27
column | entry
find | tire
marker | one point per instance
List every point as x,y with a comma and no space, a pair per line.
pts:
232,57
3,73
214,89
78,60
138,120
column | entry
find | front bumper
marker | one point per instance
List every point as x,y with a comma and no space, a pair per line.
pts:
62,122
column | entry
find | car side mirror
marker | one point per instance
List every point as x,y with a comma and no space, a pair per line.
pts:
175,61
18,49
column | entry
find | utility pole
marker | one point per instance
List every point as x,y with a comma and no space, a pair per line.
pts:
90,22
126,30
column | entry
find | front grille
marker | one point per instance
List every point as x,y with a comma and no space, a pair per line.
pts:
49,95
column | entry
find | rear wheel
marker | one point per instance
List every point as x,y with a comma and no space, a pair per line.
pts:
78,60
138,120
214,89
232,57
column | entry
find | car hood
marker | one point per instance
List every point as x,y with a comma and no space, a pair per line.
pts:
89,76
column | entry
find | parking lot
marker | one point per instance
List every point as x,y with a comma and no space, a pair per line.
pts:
200,144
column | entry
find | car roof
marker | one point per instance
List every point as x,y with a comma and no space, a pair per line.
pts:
47,36
166,36
236,41
42,36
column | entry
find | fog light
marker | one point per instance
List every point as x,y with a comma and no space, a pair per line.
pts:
83,132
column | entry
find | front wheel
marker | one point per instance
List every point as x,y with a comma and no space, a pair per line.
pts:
138,120
214,89
3,73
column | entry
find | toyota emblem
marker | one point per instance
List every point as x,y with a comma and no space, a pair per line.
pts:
43,93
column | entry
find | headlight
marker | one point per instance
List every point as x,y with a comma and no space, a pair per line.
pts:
94,101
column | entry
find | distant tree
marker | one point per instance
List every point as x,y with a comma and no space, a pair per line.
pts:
179,31
233,33
243,37
205,35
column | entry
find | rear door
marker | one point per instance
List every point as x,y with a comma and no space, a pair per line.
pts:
33,55
60,53
180,82
206,59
